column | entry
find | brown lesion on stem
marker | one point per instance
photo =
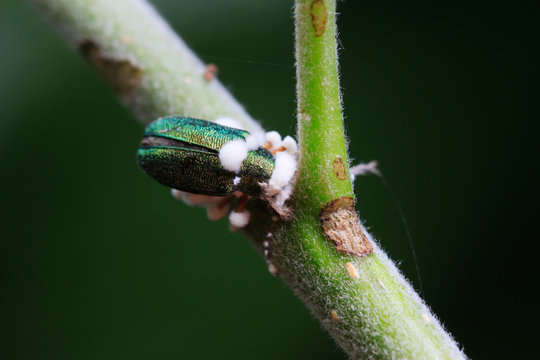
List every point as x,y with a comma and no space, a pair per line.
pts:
210,72
339,168
319,16
341,225
121,74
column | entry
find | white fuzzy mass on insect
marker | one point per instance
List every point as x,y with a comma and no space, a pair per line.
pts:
231,155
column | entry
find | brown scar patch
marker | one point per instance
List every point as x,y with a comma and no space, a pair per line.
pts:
339,169
210,72
319,17
341,225
334,315
122,75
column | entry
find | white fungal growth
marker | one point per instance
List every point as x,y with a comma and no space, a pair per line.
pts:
284,170
278,201
232,154
228,121
273,138
290,145
239,219
279,188
255,140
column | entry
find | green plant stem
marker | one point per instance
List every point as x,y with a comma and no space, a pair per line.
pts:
320,122
375,314
363,301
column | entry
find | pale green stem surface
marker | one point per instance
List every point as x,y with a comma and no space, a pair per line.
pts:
376,315
132,32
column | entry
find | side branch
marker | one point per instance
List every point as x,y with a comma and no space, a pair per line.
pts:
323,168
151,69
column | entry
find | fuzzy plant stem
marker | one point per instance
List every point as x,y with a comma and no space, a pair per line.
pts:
150,68
324,253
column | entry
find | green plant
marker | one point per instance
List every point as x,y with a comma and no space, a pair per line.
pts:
357,293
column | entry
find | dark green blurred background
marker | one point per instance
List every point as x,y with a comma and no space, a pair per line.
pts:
443,95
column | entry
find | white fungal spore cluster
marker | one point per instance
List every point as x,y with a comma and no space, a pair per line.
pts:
280,186
239,219
231,155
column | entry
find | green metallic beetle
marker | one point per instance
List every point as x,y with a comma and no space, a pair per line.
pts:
183,153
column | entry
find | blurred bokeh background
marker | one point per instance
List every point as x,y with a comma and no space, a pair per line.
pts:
99,262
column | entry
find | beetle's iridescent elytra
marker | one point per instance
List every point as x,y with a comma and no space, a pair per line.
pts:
183,153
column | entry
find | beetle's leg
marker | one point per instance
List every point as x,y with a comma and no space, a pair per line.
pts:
272,148
225,202
242,202
274,144
219,209
281,148
273,140
216,206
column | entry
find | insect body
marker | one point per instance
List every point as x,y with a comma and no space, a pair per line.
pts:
209,164
184,154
